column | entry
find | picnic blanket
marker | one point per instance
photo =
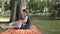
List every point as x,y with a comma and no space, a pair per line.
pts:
33,30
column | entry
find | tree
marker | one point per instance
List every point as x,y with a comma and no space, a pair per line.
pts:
13,5
36,5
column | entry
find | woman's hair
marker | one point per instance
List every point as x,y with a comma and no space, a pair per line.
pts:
26,11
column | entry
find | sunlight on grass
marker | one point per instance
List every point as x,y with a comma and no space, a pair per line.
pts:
2,19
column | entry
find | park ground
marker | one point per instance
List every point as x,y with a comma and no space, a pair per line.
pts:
45,25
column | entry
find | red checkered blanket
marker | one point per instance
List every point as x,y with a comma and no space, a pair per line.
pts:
32,30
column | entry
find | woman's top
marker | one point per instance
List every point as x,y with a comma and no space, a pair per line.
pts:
28,23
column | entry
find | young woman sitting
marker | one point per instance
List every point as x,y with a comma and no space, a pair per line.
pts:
23,24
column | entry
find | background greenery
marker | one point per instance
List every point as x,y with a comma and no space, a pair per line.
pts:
38,6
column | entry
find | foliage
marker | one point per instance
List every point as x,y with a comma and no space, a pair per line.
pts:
0,3
38,5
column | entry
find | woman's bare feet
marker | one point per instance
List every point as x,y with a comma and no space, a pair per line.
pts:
3,26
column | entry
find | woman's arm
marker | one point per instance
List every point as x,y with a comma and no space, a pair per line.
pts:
25,19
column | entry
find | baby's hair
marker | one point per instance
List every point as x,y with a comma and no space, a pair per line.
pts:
25,10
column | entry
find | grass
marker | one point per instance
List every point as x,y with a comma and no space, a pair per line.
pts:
46,25
4,19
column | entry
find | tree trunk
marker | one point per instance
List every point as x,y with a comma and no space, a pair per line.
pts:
13,6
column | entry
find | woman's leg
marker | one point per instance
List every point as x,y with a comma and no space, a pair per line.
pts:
5,26
12,25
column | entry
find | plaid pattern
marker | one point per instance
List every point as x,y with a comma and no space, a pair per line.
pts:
32,30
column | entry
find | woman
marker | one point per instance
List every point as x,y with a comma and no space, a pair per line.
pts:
24,24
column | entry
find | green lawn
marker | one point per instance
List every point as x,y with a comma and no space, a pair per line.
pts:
4,19
46,25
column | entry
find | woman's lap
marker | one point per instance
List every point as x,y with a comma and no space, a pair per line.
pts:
18,25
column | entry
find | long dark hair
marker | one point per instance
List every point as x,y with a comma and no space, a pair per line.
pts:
25,10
